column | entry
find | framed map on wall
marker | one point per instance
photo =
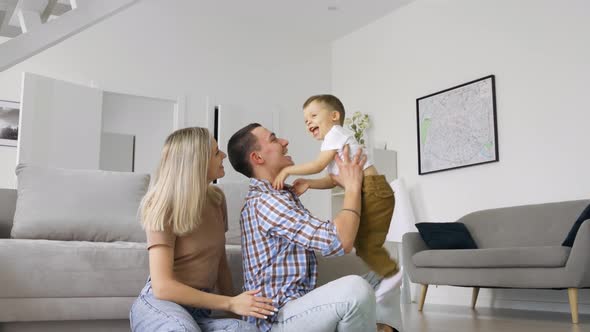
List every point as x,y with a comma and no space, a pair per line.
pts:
457,127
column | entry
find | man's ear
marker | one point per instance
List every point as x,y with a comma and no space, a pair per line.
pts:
256,158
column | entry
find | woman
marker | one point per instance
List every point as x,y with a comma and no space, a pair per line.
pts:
185,219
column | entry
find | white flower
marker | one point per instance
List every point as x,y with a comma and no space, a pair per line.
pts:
358,124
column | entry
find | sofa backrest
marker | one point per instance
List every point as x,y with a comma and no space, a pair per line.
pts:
524,226
78,205
7,207
235,194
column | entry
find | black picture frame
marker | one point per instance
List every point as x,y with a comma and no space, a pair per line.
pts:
457,127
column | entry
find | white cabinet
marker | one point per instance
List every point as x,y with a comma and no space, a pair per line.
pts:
63,124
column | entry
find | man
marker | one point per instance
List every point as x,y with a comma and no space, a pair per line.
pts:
280,236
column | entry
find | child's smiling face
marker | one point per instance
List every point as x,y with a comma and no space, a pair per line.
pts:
319,119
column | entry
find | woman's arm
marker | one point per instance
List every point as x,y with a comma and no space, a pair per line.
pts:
161,260
312,167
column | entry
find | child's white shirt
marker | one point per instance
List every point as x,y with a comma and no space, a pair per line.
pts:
336,139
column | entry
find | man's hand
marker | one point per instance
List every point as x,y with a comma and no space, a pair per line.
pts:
280,180
300,186
350,171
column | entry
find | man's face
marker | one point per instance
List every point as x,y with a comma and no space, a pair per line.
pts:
273,150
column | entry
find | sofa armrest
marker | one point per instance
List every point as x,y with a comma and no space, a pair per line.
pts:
411,244
578,262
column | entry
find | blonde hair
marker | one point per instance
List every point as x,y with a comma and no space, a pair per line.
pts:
179,189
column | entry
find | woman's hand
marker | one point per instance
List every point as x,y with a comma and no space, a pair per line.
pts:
300,186
247,304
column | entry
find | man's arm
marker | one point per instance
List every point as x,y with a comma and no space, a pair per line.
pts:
281,216
350,178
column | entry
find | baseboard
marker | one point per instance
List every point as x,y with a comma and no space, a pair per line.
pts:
521,299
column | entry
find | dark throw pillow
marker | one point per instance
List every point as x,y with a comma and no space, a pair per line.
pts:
571,236
446,235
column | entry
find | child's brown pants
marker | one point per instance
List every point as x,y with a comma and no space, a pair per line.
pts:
377,206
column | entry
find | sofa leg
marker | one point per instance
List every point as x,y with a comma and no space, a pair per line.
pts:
422,297
474,295
573,296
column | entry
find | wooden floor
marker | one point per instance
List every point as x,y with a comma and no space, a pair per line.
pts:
444,318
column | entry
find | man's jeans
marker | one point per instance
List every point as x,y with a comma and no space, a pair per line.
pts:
149,314
345,304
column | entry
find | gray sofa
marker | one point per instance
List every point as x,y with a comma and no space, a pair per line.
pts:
84,285
518,247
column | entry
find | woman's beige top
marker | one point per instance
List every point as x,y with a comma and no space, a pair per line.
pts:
197,254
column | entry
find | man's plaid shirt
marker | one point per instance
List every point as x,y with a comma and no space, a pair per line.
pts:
279,237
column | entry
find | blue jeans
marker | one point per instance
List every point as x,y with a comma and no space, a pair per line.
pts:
345,304
148,314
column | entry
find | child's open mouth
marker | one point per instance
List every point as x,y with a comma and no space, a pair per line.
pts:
314,131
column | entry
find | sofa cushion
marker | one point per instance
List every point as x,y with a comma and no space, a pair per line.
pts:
446,235
550,256
571,236
64,269
79,205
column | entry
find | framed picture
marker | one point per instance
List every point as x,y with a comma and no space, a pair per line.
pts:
457,127
9,114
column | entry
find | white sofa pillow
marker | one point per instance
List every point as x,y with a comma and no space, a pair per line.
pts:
80,205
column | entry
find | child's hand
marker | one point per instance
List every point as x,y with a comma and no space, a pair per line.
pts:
300,186
280,180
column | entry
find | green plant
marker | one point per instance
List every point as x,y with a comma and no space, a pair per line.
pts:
358,124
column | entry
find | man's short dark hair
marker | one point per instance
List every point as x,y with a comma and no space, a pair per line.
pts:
239,147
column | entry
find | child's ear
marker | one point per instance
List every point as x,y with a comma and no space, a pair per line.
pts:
335,116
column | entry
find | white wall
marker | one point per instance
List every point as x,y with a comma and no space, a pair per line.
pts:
538,51
149,120
167,49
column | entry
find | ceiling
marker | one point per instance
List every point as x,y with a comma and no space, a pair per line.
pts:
323,20
319,20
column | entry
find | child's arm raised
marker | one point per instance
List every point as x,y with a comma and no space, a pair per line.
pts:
312,167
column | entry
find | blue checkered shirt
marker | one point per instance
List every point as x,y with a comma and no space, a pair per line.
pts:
279,237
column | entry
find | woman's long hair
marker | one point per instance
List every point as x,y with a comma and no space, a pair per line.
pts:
179,189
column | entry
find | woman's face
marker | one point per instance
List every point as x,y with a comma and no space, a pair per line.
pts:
215,170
